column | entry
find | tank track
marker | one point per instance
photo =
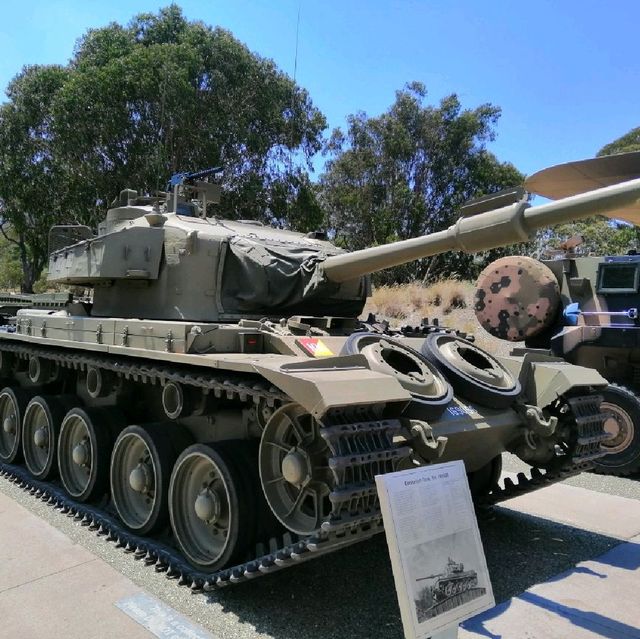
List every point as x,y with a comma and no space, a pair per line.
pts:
359,451
590,433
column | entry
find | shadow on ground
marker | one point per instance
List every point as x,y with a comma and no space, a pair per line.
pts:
352,591
625,556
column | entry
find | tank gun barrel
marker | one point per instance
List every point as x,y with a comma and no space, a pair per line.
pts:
483,231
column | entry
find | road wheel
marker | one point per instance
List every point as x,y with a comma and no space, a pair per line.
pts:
623,448
474,373
40,430
141,465
430,391
84,451
13,402
212,514
294,469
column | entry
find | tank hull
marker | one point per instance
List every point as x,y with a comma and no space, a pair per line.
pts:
188,388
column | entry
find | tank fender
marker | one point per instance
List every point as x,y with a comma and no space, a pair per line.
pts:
544,378
333,382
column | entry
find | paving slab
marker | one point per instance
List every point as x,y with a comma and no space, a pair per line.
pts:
609,515
51,587
598,598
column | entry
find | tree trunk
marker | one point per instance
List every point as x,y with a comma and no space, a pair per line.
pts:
427,275
29,275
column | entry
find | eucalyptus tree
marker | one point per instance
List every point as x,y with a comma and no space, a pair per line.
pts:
407,172
139,102
163,95
33,190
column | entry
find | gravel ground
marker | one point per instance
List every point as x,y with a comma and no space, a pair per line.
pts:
350,592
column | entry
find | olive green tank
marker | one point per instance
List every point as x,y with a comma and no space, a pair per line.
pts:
217,407
580,307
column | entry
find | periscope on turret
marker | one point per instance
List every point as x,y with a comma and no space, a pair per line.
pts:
216,391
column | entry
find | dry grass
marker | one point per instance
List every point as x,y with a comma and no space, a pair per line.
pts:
448,301
406,300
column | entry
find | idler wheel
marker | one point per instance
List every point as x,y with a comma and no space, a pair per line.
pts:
430,390
84,449
623,426
13,402
294,471
141,465
474,373
212,512
40,430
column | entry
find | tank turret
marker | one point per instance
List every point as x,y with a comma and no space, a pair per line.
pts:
163,258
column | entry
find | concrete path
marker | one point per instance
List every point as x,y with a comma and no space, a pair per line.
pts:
63,584
598,598
51,587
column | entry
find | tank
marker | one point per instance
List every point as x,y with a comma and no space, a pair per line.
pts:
217,408
454,580
10,303
579,307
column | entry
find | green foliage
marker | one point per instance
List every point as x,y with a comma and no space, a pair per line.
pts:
164,95
33,191
10,268
407,172
601,236
140,102
628,142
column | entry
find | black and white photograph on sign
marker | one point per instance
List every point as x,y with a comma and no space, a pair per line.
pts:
445,574
438,562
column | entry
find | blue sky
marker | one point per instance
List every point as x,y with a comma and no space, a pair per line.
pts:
566,73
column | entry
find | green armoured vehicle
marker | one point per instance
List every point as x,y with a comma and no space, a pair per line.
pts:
11,303
220,390
578,307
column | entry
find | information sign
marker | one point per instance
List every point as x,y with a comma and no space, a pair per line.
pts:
437,558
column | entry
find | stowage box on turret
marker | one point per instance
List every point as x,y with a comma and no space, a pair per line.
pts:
217,407
579,307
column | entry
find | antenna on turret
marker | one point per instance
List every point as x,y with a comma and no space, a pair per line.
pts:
293,88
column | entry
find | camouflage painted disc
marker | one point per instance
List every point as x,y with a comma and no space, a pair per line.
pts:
516,298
